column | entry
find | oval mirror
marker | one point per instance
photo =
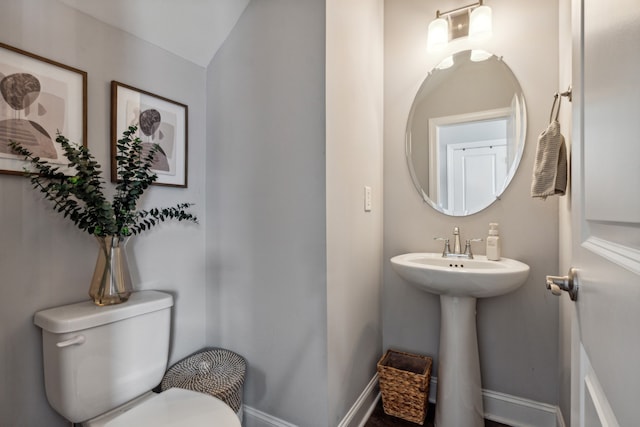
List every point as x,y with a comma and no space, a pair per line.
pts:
466,132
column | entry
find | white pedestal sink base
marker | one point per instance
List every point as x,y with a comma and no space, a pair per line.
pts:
459,282
459,398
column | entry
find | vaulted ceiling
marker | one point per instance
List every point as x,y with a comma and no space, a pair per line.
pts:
191,29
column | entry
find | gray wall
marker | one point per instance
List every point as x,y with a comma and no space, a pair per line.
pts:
267,238
295,134
354,160
45,261
518,332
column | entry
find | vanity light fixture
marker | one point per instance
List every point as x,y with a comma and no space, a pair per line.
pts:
474,20
480,22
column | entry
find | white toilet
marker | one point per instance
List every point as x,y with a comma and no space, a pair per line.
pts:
100,364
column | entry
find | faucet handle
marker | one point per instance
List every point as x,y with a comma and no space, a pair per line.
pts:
447,249
467,247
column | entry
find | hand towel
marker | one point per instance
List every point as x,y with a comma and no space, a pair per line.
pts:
550,167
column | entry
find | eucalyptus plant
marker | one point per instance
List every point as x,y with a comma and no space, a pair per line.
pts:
81,197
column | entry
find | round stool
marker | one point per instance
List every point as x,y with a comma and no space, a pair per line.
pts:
217,372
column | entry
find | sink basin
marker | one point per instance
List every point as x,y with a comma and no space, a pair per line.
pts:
459,282
478,277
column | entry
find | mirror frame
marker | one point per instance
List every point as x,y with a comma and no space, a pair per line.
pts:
521,110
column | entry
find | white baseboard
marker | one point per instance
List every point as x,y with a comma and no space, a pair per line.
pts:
433,386
256,418
517,411
357,416
500,407
560,419
363,407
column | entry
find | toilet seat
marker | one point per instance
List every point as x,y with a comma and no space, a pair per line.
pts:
175,407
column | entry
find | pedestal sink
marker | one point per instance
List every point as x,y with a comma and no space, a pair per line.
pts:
459,282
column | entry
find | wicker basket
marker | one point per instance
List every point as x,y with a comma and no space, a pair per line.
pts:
404,384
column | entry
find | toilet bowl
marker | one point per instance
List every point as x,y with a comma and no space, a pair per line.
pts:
101,363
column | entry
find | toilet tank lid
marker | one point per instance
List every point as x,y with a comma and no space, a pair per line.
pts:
83,315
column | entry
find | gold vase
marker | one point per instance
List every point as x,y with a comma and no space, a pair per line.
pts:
111,283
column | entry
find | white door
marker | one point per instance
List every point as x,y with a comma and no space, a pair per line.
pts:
475,170
605,209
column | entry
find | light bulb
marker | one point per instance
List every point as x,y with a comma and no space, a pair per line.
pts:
438,35
480,23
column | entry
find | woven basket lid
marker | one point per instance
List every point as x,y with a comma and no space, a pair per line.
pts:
218,372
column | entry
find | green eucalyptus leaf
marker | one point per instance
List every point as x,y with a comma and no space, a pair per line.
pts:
81,197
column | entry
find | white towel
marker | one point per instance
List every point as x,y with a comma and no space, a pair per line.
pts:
550,167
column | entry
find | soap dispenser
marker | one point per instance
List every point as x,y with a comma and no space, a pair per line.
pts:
493,243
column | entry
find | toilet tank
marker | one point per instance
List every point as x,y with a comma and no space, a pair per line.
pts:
97,358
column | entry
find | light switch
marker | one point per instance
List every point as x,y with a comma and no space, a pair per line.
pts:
367,199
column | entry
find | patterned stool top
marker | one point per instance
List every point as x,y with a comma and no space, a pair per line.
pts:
217,372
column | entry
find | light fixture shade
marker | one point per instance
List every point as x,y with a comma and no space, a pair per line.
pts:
445,63
480,23
438,34
479,55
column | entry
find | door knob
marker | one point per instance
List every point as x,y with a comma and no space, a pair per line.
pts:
568,283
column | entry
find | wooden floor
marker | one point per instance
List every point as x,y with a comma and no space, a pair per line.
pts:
380,419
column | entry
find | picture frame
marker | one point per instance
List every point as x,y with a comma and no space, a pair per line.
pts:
39,99
160,121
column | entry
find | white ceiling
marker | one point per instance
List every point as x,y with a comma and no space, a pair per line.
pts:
192,29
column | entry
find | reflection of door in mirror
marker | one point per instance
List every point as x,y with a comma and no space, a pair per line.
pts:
475,169
468,159
474,110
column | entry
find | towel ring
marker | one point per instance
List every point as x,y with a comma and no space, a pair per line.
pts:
568,93
557,99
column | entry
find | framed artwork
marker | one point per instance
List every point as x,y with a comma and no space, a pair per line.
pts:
160,121
39,98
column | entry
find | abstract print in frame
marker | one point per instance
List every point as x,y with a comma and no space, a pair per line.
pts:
160,121
39,98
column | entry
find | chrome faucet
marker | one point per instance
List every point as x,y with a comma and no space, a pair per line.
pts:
456,240
446,252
